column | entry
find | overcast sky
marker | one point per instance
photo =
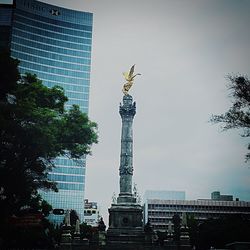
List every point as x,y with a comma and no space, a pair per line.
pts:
183,49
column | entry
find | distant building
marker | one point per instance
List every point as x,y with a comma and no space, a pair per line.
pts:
161,211
91,213
218,197
164,195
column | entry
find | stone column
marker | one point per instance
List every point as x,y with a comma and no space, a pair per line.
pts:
125,216
127,112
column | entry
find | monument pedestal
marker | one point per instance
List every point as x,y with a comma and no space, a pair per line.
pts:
125,224
66,238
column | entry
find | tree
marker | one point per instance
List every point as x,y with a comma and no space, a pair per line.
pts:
86,231
34,129
73,217
221,231
177,227
192,228
238,116
101,225
9,73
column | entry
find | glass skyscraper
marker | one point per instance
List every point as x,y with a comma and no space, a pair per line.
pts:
55,44
5,25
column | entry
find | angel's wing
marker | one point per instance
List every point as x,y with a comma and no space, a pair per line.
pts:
131,72
138,74
126,75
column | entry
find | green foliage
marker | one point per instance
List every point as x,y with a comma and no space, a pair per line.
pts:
219,232
86,231
238,116
177,227
161,237
73,217
34,129
44,236
102,226
46,207
192,224
9,73
36,204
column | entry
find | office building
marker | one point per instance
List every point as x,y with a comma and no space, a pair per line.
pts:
55,44
221,197
159,211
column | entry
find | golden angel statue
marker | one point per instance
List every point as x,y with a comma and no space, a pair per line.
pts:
129,77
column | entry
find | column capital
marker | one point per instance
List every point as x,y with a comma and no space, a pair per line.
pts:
128,108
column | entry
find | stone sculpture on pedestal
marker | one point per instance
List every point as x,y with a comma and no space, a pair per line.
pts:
66,232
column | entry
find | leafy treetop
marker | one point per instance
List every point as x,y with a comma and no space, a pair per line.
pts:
238,116
34,129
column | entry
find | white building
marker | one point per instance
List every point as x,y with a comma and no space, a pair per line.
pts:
161,211
91,213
